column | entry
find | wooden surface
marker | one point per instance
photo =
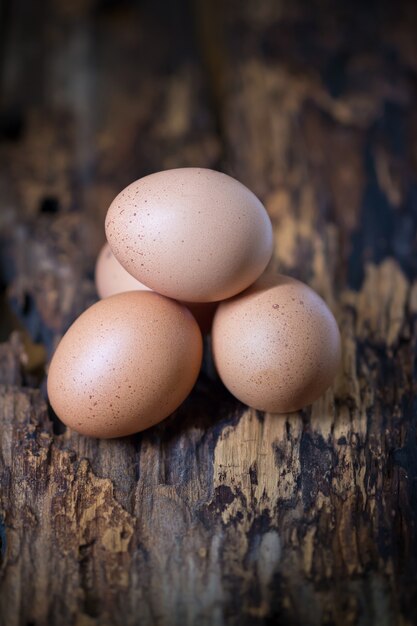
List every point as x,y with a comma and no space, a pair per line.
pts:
220,515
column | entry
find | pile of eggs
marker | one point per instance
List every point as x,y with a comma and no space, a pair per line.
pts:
186,255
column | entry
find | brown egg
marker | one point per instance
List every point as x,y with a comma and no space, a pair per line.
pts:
125,364
276,346
112,278
191,234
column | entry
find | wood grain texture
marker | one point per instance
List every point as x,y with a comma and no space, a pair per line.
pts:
219,515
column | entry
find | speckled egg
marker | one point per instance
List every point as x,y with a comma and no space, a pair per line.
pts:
125,364
111,278
276,346
192,234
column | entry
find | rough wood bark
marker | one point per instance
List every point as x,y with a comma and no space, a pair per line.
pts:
220,515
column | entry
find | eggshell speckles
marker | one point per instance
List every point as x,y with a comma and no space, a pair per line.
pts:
125,364
111,277
191,234
276,346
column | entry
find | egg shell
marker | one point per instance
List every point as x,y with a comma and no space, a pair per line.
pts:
192,234
125,364
111,278
276,346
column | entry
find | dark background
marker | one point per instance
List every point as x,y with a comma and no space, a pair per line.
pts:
219,515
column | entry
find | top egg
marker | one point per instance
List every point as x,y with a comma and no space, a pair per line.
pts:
191,234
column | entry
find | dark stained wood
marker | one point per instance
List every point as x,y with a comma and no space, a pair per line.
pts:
317,117
220,515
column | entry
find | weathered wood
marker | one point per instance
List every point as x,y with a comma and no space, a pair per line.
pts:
220,515
317,111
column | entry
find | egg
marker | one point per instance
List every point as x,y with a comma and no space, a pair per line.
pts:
112,278
276,346
125,364
192,234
